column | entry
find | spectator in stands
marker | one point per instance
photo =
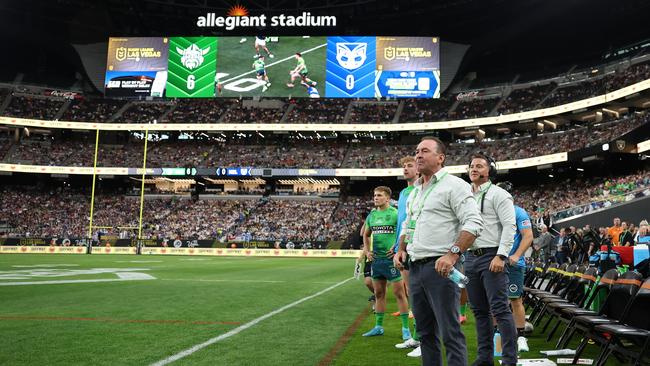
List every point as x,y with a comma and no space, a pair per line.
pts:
562,250
615,231
643,236
542,244
625,238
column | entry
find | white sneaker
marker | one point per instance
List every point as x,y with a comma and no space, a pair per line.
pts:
271,55
409,343
415,353
522,344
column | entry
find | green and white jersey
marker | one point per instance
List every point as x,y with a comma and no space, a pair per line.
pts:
301,62
258,65
383,225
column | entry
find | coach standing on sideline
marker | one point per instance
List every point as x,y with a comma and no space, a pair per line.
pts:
485,264
442,222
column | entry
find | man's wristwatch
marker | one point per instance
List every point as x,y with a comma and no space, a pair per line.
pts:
455,249
503,257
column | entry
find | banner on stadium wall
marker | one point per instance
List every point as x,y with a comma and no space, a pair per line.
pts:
223,252
388,172
643,146
332,127
119,244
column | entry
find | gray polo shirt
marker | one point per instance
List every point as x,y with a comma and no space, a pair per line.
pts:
498,218
447,209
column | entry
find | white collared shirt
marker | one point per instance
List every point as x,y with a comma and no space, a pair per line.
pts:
498,218
449,209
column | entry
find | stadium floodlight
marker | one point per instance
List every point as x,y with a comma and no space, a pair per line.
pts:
605,147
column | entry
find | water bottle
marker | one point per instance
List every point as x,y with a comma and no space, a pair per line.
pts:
498,349
458,277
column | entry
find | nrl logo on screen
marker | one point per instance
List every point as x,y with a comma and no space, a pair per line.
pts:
238,16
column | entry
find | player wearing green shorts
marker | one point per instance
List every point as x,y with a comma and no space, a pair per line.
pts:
381,223
301,71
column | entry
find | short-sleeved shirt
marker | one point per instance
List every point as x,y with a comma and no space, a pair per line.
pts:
523,222
301,62
258,65
614,232
401,210
383,225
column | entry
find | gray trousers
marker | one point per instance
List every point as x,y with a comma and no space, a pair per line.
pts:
487,297
434,300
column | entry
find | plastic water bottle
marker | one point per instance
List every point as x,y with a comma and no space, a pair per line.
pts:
458,277
497,344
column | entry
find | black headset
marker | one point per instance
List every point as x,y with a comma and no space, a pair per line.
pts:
492,174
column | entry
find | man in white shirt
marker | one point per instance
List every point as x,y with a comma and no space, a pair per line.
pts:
485,264
442,222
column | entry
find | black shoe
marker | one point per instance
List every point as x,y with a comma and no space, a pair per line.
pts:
371,298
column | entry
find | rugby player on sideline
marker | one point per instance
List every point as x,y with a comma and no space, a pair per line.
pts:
381,223
517,269
410,175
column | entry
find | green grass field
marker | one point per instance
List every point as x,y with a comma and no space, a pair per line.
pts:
187,301
236,59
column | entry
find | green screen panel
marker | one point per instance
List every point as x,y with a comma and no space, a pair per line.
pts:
192,67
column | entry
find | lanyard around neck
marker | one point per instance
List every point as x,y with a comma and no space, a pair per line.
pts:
426,195
481,196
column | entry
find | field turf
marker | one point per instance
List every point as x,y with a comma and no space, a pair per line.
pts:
236,59
253,311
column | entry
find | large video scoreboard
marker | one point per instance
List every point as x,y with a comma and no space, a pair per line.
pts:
332,67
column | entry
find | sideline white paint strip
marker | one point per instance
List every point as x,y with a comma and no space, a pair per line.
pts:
45,265
274,63
131,277
243,327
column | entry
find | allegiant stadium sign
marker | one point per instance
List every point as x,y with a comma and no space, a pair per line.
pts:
306,19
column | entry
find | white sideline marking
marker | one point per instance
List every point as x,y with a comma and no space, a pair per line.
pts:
45,265
138,261
242,281
243,327
135,278
275,63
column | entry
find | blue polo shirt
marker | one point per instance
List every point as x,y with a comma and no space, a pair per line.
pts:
401,212
523,222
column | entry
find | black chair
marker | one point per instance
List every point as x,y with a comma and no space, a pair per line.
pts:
561,284
613,310
577,298
567,315
546,282
631,339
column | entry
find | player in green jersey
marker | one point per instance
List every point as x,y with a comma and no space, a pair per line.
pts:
381,223
260,70
300,71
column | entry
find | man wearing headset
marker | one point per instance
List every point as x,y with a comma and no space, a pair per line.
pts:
485,263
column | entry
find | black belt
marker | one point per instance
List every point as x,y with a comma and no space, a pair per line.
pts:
425,260
481,251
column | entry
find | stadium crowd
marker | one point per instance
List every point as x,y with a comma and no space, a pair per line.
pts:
367,154
64,213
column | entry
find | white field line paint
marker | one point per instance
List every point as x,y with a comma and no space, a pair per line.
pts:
274,63
243,327
138,261
133,278
239,281
45,265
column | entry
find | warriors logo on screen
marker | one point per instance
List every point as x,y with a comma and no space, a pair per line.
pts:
192,57
351,56
350,71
